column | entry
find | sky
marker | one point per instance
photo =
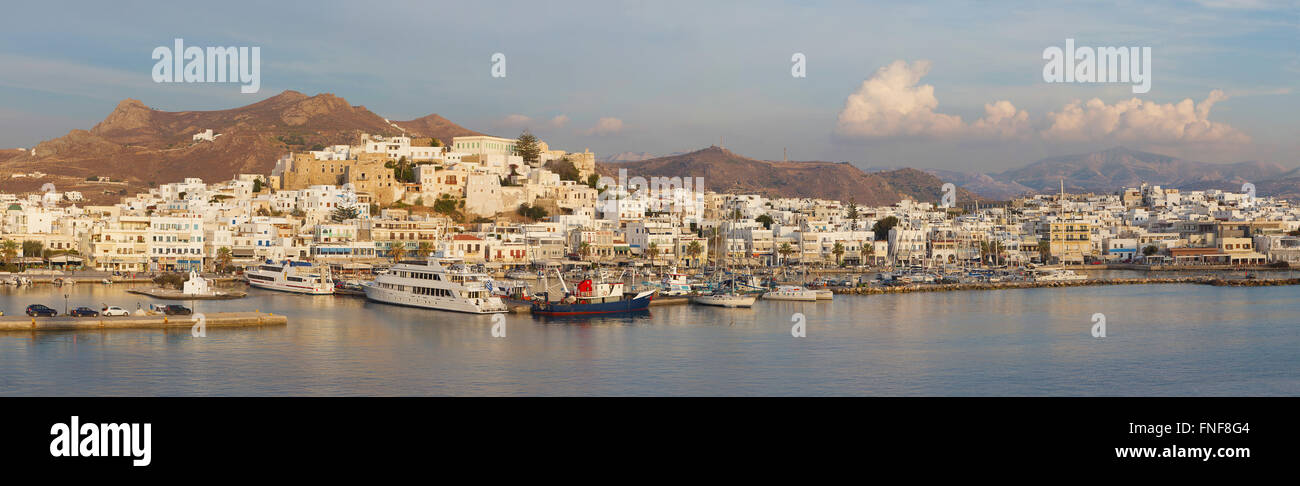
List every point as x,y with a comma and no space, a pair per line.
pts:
950,85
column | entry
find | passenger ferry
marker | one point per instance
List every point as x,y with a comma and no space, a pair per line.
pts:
292,276
432,285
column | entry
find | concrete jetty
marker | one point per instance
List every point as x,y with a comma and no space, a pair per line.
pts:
173,294
1200,280
210,320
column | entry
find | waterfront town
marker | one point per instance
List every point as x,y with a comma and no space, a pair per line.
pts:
511,203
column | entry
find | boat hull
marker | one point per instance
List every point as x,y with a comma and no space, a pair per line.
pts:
297,289
729,301
492,305
558,309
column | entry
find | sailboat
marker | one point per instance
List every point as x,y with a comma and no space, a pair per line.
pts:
726,295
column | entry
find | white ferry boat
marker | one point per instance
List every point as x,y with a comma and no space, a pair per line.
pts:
292,276
433,286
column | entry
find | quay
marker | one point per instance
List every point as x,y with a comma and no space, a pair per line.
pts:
210,320
173,294
1201,280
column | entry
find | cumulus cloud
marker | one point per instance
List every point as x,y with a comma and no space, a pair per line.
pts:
605,126
891,103
1142,121
559,121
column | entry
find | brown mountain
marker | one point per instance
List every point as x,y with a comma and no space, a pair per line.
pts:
726,171
1114,169
142,145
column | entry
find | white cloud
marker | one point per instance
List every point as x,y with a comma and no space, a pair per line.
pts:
605,126
1135,120
559,121
515,120
890,103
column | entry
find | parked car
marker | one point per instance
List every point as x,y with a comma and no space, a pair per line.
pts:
176,310
38,310
113,310
84,312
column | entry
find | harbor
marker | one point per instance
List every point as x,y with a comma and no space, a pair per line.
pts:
1209,340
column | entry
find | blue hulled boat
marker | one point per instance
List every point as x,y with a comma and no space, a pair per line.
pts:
592,298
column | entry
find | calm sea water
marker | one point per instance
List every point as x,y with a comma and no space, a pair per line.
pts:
1161,340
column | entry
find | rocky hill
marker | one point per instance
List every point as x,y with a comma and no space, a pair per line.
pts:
726,171
142,145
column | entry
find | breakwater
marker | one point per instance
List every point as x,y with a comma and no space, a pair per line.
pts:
1201,280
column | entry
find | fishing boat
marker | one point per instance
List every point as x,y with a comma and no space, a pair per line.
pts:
791,292
590,297
675,284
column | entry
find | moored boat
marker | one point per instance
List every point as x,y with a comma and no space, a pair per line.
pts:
792,293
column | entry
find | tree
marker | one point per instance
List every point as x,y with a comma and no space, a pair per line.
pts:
766,220
882,227
225,258
1150,250
32,248
531,212
258,184
867,251
397,251
584,249
837,250
853,214
1044,250
653,252
424,249
344,213
786,250
694,249
9,251
446,204
527,147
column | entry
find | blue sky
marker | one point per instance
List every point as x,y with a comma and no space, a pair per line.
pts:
680,76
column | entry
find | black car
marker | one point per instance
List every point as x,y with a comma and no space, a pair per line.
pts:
177,310
38,310
84,312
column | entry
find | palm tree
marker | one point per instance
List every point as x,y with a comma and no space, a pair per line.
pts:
424,250
224,258
1044,250
785,251
694,249
653,252
584,249
867,251
396,252
9,250
838,250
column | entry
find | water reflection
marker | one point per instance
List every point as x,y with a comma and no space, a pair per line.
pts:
1162,340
